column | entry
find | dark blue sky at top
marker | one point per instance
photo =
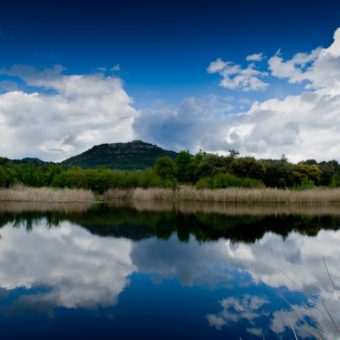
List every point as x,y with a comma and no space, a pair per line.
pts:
162,47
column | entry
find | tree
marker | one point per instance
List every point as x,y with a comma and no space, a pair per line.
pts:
302,170
248,167
211,164
165,168
5,177
279,173
233,153
183,168
329,170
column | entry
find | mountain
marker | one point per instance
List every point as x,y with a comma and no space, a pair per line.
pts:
31,160
131,155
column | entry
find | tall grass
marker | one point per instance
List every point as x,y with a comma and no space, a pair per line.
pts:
229,195
182,194
193,207
45,195
67,207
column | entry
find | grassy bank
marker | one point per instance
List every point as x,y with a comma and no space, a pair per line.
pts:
191,207
46,195
231,195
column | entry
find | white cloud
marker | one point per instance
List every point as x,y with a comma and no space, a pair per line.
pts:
247,307
194,124
85,270
301,126
297,318
82,270
255,57
320,68
296,69
296,264
236,77
189,262
63,114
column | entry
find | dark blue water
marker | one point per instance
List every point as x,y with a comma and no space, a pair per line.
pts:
119,273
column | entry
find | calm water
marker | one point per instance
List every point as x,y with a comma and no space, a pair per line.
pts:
121,273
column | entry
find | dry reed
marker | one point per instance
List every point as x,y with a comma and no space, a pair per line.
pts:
182,194
45,195
67,207
230,195
191,207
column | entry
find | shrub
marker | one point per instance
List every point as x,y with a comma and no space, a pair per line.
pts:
227,180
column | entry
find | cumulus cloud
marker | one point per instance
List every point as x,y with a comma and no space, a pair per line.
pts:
235,310
236,77
296,264
319,69
255,57
87,271
296,69
296,257
60,115
193,124
81,270
189,262
301,126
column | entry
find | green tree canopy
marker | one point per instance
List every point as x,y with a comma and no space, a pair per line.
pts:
165,167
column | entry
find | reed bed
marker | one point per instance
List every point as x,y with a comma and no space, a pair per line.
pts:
180,195
117,195
42,207
191,207
230,195
45,195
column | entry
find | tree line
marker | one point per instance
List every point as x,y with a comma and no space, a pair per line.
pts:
204,170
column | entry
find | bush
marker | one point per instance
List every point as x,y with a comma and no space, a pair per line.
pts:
220,181
306,183
335,181
204,183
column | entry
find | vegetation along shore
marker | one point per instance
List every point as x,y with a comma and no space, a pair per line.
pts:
177,195
172,177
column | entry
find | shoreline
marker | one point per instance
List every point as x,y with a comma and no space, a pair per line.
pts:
227,196
185,200
180,195
46,195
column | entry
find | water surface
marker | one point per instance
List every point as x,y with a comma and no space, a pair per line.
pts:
123,272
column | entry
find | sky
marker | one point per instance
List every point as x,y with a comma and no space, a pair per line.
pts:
261,77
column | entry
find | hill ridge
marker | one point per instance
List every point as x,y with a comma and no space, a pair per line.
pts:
136,154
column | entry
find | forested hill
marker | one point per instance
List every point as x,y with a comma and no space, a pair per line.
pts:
131,155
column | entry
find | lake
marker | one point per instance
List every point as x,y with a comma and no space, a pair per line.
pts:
143,272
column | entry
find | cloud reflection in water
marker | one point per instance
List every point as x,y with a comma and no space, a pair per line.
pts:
82,270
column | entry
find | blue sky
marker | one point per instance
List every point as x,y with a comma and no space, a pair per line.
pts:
160,51
162,47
